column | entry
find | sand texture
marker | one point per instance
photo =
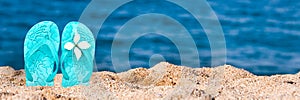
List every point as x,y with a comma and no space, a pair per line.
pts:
163,81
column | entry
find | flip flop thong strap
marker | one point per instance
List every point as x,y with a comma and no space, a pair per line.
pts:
85,54
54,54
63,71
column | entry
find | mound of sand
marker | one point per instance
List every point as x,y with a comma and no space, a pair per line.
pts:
163,81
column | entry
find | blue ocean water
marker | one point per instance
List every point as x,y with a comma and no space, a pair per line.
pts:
261,36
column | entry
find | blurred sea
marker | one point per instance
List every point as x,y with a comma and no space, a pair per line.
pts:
261,36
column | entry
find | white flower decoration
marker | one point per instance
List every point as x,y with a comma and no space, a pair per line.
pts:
77,46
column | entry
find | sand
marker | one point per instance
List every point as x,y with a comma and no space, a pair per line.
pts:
162,81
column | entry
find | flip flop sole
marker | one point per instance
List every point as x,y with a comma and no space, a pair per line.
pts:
40,54
78,49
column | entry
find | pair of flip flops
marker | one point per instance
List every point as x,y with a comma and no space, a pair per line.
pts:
41,58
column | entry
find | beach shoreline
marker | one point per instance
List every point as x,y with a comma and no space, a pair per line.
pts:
162,81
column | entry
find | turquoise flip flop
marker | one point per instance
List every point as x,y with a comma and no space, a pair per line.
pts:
78,50
40,54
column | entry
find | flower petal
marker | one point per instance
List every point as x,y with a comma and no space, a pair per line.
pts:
76,37
84,45
69,46
77,53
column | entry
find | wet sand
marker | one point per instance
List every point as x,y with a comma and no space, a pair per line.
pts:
162,81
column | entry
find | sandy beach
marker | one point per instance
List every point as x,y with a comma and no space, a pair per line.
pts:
162,81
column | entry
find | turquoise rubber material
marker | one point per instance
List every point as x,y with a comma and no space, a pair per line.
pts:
77,71
41,46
